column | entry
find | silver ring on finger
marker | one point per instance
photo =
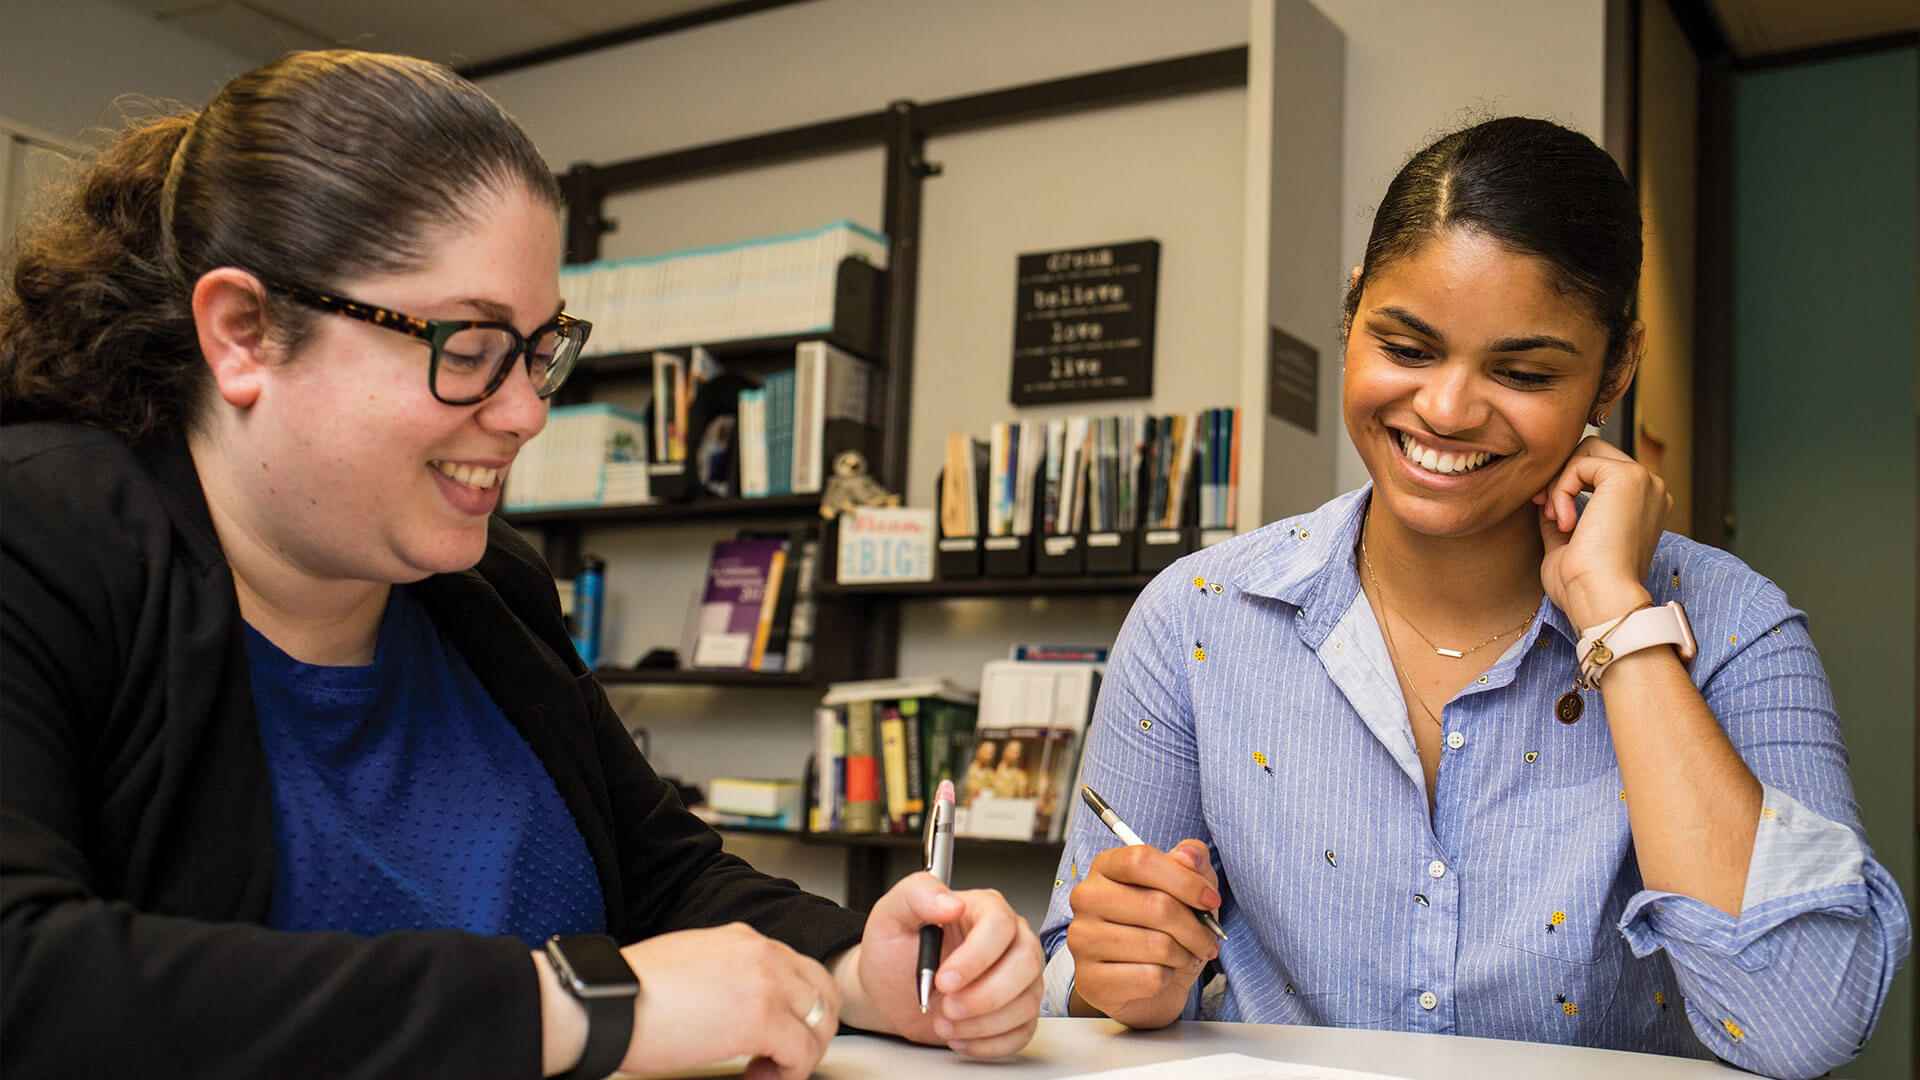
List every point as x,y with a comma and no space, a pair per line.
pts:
815,1014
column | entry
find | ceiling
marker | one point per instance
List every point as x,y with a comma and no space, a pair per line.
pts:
454,32
1757,28
466,32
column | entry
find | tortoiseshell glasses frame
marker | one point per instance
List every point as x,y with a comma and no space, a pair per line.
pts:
471,358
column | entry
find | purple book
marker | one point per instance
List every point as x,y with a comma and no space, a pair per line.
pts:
730,608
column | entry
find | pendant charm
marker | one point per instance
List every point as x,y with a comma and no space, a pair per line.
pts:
1569,707
1451,654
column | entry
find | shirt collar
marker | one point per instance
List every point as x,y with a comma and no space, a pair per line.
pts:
1310,563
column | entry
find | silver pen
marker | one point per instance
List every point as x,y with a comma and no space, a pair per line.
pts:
939,849
1127,836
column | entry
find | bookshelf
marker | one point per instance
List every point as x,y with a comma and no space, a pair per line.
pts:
711,677
875,321
773,507
995,588
892,840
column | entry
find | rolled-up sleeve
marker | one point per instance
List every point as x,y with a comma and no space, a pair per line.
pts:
1794,984
1140,756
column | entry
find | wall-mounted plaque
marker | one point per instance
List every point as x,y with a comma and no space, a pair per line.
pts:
1293,381
1083,323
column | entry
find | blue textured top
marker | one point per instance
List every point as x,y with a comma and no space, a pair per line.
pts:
1250,703
403,799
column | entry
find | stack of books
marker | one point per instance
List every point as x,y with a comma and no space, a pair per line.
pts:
883,746
756,611
749,803
1022,770
587,456
767,287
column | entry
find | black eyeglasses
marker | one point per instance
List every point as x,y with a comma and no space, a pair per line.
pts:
471,359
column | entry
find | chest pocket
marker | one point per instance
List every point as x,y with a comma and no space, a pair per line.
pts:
1559,877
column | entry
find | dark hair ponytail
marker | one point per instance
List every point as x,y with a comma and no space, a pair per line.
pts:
90,283
1534,186
317,167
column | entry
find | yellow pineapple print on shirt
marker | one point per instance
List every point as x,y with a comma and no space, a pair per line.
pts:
1260,759
1734,1031
1559,919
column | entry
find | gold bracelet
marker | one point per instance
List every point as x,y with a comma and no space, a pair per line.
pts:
1600,656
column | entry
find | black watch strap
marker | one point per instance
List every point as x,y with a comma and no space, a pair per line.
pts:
592,970
609,1027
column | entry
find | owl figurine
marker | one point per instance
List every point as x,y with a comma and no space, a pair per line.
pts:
850,487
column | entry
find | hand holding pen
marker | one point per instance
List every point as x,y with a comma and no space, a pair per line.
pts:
1144,926
964,956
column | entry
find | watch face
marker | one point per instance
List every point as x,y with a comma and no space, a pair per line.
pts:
592,962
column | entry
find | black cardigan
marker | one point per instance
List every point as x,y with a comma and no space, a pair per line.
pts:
136,828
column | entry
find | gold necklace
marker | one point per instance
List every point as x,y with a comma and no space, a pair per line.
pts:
1386,631
1441,650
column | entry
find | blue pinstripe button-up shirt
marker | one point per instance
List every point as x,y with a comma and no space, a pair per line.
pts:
1250,703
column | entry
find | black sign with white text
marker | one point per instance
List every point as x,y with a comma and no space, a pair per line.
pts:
1083,323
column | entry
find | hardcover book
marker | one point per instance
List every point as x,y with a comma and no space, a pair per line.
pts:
729,615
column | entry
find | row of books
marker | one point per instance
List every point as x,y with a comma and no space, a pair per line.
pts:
770,437
1012,751
677,380
767,287
1092,473
756,611
882,748
766,437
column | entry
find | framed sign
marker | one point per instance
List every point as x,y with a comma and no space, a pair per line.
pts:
1083,323
1293,380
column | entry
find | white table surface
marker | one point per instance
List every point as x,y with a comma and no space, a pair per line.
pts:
1069,1047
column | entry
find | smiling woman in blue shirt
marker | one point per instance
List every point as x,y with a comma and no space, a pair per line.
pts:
1442,754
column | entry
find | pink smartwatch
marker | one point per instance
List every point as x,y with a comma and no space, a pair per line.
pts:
1601,645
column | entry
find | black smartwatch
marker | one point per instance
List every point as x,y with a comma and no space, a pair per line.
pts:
591,968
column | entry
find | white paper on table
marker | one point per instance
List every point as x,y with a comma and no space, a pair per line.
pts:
1232,1067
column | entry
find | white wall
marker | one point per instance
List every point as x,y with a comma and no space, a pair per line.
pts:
63,62
1173,169
1417,71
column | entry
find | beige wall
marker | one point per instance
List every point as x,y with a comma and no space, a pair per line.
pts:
64,62
1416,71
1669,149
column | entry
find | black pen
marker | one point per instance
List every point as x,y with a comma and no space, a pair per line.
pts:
940,865
1127,836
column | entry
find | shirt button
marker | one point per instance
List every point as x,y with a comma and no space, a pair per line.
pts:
1436,869
1428,1000
1456,740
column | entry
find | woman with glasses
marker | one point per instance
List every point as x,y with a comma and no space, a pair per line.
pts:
299,772
1478,749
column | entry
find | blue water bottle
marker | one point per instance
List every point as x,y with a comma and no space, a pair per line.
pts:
589,599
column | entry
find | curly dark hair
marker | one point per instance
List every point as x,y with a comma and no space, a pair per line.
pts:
1536,187
314,168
